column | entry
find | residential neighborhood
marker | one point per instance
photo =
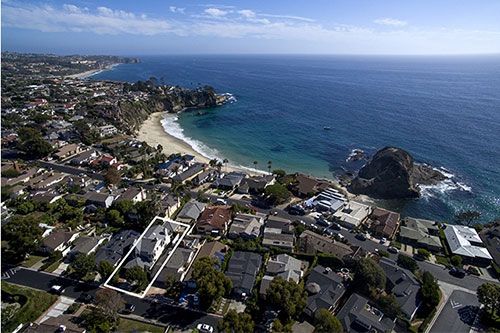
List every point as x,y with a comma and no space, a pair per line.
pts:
116,233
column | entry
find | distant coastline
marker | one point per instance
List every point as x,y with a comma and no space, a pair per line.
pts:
92,72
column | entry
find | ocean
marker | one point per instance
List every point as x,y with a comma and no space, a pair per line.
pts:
307,113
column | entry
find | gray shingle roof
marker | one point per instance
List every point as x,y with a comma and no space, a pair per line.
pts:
330,291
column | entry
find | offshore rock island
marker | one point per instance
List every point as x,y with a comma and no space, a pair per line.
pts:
393,174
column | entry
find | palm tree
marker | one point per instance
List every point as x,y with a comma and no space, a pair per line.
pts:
255,164
225,161
269,165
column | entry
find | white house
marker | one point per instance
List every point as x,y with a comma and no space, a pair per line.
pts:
465,242
352,214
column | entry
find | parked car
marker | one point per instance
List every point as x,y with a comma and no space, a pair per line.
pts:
323,222
457,272
220,202
335,226
86,298
393,249
383,240
205,328
129,308
57,289
361,237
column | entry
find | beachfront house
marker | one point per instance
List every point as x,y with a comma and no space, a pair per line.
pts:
465,242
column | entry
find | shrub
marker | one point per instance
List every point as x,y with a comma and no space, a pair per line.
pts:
407,262
456,261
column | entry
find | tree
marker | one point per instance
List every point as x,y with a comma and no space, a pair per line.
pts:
83,265
105,269
368,275
269,165
112,176
389,305
23,235
104,316
287,296
429,291
114,218
234,322
423,253
456,260
137,276
279,173
407,262
488,294
277,193
123,206
326,322
211,283
32,143
255,164
467,217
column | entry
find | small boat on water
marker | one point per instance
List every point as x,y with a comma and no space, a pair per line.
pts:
327,128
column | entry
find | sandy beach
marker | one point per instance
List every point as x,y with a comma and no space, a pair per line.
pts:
86,74
153,133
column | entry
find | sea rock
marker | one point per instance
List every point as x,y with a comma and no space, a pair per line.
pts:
393,174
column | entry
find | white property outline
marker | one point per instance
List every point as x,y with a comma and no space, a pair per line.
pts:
141,295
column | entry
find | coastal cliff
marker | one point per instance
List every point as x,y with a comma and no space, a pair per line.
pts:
129,114
393,174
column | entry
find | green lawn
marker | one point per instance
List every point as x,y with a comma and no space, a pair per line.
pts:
129,325
33,304
32,260
53,266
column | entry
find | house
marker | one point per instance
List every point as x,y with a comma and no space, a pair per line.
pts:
311,242
85,157
491,239
62,323
214,220
279,232
107,130
213,249
420,233
59,241
50,181
151,246
256,184
307,186
86,245
191,211
67,151
324,288
117,247
133,194
46,197
285,266
190,173
330,200
103,200
169,204
242,269
246,226
359,316
178,264
352,215
203,177
402,283
230,181
384,223
465,242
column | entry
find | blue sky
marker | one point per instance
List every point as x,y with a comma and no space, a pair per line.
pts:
276,26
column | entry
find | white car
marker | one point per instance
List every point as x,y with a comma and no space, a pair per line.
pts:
56,289
383,240
205,328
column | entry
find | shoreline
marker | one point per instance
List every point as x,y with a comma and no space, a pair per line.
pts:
152,132
92,72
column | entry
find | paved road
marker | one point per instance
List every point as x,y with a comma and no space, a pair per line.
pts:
458,314
70,169
171,315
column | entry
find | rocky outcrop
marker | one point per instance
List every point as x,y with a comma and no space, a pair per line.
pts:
128,115
393,174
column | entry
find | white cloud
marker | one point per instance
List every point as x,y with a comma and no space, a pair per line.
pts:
247,13
216,12
290,17
391,21
174,9
72,9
